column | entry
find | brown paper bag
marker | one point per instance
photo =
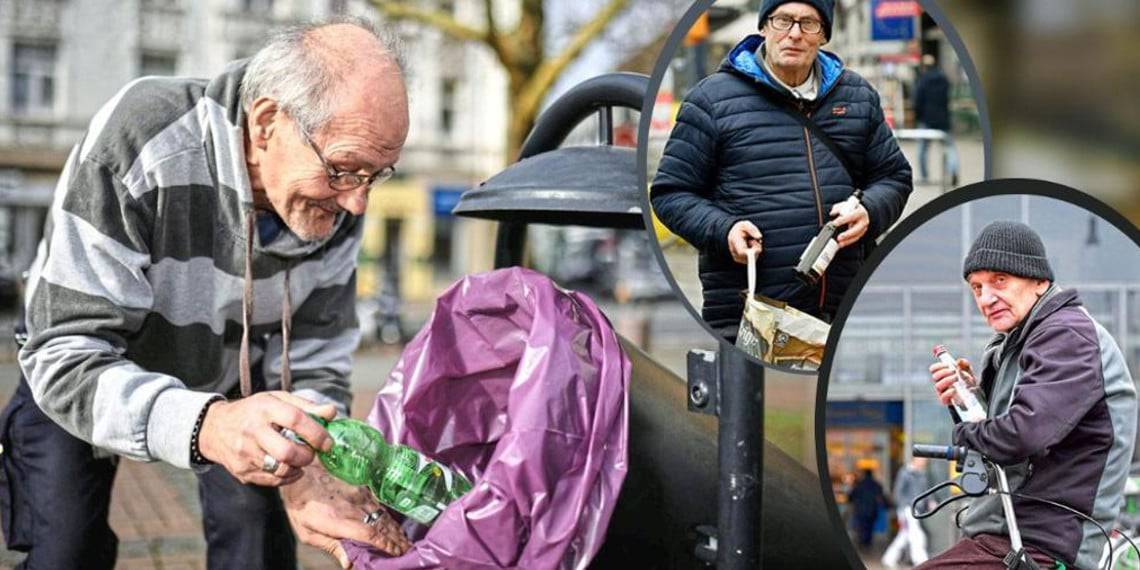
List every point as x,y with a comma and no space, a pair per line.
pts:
777,334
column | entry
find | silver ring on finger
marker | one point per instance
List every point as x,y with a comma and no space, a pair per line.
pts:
292,436
372,517
269,464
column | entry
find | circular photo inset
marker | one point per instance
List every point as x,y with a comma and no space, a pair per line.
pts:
979,393
785,141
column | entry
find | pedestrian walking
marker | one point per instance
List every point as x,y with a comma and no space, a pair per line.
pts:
932,111
910,482
866,499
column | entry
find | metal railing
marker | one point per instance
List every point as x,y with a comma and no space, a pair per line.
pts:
929,135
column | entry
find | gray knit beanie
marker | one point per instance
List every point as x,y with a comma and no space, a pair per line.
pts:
1009,247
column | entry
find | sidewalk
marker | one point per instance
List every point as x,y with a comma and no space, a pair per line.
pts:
154,507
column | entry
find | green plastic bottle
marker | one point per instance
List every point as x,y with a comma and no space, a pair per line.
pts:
399,476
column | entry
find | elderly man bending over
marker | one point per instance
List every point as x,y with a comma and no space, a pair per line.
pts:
186,200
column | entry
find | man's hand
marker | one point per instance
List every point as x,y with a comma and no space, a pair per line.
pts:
239,435
943,377
744,236
856,222
323,510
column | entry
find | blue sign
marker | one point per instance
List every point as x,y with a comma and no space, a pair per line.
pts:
864,414
444,199
893,20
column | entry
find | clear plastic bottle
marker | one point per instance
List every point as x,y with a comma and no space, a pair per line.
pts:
399,476
967,398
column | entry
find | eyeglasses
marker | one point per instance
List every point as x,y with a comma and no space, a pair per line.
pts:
342,181
785,23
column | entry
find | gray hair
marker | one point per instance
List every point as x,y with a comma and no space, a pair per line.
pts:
299,79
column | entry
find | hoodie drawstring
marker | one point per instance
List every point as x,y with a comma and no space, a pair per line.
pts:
247,316
286,329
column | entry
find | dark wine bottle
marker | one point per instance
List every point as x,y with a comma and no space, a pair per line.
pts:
822,248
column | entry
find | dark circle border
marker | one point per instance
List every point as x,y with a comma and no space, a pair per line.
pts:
941,204
649,102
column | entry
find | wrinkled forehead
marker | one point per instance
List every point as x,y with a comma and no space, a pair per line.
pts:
983,276
796,10
373,101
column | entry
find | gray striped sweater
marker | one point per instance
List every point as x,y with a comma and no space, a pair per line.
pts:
134,301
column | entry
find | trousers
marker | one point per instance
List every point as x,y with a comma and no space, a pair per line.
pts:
911,536
55,495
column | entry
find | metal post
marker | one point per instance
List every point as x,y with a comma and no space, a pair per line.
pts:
908,384
389,324
606,126
740,454
967,299
510,241
1122,320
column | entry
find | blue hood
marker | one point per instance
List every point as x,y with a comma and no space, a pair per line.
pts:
742,60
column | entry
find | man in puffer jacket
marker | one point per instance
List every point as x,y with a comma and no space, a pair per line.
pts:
741,171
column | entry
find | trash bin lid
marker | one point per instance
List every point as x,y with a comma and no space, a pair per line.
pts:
582,186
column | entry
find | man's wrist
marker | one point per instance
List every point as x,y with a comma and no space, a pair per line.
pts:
173,414
196,456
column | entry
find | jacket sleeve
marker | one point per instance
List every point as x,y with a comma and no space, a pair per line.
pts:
1060,382
325,330
88,292
887,175
682,190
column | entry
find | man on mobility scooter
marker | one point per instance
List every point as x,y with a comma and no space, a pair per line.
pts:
1061,410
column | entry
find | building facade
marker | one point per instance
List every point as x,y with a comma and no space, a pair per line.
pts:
62,59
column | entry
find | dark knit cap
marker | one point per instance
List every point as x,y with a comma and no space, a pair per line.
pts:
1009,247
824,7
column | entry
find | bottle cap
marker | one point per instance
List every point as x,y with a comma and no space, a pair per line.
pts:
939,349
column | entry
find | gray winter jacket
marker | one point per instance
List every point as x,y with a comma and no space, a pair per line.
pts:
1062,419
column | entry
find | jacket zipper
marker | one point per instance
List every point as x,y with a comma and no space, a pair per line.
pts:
815,182
818,208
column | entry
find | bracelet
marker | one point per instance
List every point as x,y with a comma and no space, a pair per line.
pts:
196,457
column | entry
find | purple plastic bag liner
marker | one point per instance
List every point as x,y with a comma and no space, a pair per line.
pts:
522,387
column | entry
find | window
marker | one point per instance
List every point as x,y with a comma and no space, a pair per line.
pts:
33,79
158,64
447,105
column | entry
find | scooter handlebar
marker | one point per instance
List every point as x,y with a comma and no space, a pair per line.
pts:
947,452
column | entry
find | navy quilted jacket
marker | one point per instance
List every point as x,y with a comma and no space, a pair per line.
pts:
734,154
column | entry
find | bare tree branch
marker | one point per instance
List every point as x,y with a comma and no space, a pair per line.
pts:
520,50
494,35
543,77
434,18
